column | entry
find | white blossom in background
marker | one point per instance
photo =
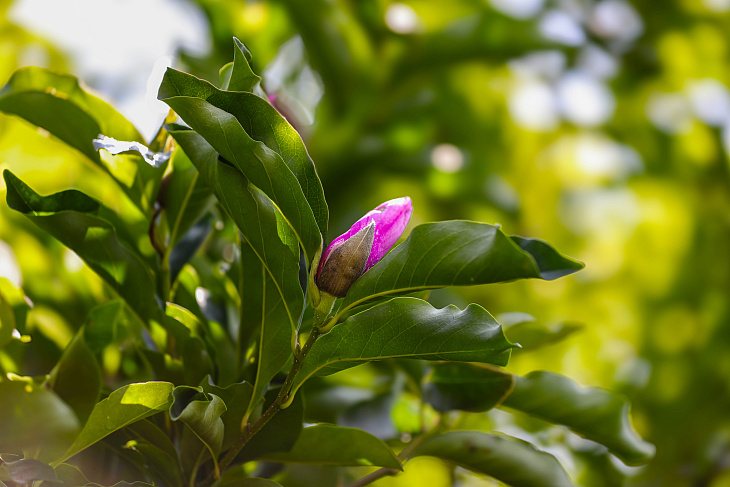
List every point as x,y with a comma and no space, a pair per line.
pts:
616,20
584,100
596,62
669,112
710,101
531,105
402,19
547,65
598,155
518,9
120,47
560,26
447,158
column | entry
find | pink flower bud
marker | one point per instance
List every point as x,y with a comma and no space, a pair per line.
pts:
362,246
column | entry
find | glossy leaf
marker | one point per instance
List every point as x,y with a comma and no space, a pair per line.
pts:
328,444
60,105
458,253
201,412
123,407
271,242
73,218
237,398
408,328
260,120
278,435
187,197
465,387
188,345
509,460
242,77
68,476
77,377
593,413
34,419
264,167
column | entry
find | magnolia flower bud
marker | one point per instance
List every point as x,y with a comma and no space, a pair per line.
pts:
361,247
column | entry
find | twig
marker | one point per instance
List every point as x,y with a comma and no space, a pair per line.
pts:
282,398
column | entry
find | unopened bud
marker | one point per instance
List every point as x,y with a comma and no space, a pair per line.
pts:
345,262
361,247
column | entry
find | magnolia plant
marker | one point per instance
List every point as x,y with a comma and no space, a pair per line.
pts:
227,310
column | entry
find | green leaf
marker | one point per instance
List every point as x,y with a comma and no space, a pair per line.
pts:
591,412
457,253
237,397
188,345
533,335
201,412
152,450
328,444
123,407
276,309
408,328
187,197
68,475
58,104
242,77
104,323
74,219
15,306
247,131
27,471
34,419
465,387
279,434
509,460
76,378
7,321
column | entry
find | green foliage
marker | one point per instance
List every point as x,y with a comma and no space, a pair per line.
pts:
198,338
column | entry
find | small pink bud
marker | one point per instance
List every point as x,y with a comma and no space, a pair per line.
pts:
362,246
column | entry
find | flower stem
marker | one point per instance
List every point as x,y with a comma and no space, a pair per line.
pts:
282,400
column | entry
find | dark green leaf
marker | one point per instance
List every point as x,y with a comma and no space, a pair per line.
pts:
242,77
123,407
465,387
162,468
408,328
188,344
104,324
591,412
187,197
509,460
27,471
247,131
237,398
278,435
456,253
328,444
57,103
276,307
34,419
68,475
77,377
73,218
201,412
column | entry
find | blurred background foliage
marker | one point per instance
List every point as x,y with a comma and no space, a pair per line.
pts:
600,126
